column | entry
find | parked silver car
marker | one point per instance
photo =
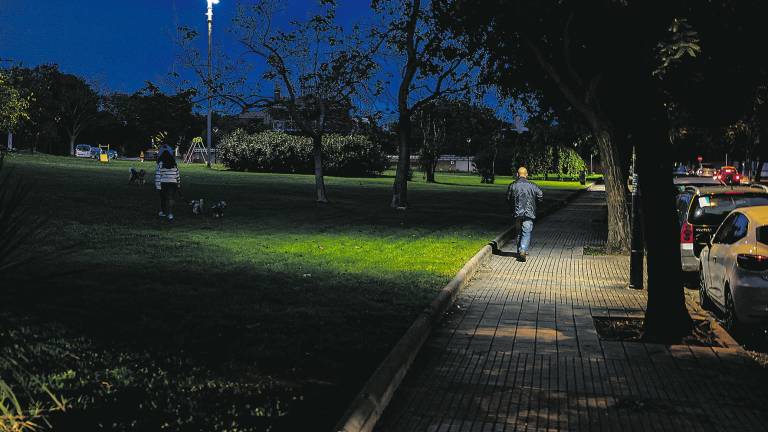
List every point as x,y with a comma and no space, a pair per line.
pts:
734,268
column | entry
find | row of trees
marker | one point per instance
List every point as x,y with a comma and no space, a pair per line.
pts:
627,73
633,72
62,109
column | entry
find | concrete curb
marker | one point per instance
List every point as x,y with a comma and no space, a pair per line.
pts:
368,406
720,332
725,337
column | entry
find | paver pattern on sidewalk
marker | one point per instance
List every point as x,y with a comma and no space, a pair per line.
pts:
520,351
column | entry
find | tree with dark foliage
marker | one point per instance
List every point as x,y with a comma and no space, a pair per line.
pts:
598,58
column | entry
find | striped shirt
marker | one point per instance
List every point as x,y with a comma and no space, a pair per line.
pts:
166,175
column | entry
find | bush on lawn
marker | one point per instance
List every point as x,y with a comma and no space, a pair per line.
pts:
569,163
271,151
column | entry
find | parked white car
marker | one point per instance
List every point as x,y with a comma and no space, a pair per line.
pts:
83,151
734,268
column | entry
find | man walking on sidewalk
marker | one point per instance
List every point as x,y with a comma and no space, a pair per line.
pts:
522,195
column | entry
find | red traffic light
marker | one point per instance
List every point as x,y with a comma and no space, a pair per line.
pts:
699,158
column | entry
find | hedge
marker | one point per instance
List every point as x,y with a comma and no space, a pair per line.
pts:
272,151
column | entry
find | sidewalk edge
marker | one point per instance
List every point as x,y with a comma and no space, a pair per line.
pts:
368,406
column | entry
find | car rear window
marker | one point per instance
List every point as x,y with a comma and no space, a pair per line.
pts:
712,209
762,234
83,147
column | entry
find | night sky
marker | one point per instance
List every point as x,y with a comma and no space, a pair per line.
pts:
120,44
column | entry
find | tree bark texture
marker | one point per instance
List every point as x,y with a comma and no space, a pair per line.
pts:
613,172
317,153
762,133
614,177
72,139
400,188
666,317
430,170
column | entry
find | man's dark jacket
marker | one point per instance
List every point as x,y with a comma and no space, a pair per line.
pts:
524,195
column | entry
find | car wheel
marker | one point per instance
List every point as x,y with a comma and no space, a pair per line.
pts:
730,320
704,300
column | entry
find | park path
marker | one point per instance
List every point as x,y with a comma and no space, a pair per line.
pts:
520,352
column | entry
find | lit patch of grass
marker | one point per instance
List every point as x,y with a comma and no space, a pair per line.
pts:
281,290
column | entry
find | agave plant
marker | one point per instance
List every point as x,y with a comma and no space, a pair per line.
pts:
18,417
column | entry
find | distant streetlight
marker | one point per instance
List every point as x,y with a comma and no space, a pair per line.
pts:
210,84
469,151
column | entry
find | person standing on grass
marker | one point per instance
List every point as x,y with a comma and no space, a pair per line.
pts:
167,182
523,196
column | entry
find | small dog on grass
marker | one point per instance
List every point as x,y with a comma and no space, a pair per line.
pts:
218,209
197,206
137,176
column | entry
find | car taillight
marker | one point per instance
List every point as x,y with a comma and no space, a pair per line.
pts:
752,262
686,233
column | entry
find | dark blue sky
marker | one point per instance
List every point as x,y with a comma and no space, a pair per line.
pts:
120,44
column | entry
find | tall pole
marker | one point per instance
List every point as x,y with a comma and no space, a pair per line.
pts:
208,123
469,151
10,141
636,243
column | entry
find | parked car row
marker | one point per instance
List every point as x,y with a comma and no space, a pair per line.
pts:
89,151
724,237
734,269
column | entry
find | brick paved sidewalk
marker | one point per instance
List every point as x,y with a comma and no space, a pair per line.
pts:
521,352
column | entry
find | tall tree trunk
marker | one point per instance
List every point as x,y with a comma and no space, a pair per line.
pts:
615,189
400,188
430,170
666,317
762,132
317,152
72,139
493,166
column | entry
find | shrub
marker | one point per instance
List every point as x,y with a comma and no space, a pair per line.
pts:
570,164
562,162
271,151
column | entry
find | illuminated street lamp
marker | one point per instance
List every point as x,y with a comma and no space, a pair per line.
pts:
210,85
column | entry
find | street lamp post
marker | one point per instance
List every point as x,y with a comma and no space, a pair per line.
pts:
637,252
210,32
469,151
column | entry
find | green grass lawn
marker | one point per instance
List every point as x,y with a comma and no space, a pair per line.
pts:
467,179
271,317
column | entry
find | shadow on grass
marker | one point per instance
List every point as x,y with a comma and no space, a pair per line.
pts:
309,341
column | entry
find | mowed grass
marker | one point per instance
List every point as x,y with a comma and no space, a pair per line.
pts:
271,317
